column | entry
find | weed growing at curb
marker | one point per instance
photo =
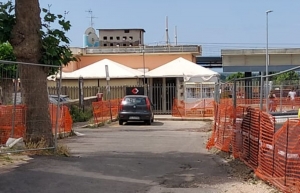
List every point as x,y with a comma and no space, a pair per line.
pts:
101,124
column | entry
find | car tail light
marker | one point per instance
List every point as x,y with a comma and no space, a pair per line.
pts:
148,104
121,105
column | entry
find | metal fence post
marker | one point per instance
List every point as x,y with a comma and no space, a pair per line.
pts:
57,109
217,92
234,93
15,101
81,95
286,151
281,94
261,92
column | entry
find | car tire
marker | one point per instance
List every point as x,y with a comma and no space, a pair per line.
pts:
148,122
152,120
120,122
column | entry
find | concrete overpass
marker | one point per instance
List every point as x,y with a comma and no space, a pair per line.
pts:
254,60
209,61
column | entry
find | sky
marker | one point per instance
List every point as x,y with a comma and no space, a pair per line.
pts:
214,24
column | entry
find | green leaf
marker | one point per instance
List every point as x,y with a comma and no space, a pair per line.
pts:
55,50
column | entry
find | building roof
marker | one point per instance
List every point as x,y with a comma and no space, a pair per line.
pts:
139,29
97,71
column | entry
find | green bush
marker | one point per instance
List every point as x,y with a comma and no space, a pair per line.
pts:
79,115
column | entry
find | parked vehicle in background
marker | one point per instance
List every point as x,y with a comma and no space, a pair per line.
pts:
54,99
136,108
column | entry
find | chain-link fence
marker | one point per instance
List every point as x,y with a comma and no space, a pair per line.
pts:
246,125
28,121
272,97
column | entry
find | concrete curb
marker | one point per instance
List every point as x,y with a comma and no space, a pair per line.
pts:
182,119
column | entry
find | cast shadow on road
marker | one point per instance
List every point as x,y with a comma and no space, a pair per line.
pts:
155,123
116,172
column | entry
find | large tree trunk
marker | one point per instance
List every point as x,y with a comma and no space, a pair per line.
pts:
26,41
6,96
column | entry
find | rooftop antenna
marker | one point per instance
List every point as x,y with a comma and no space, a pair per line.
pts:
91,16
175,35
167,31
65,13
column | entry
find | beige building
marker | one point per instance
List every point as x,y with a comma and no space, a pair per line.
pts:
126,47
121,37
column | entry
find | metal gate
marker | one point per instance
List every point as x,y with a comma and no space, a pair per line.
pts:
162,96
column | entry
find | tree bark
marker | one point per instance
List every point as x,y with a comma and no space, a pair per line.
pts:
6,97
26,41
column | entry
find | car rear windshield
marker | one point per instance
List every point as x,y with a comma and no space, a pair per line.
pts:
135,101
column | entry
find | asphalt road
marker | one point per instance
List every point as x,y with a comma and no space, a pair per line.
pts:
166,157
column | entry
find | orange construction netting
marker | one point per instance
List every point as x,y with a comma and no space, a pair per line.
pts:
199,108
251,135
105,110
6,121
65,121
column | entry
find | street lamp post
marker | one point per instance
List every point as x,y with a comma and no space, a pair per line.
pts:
267,59
144,67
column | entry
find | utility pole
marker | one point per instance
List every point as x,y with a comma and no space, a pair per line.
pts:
267,59
176,35
167,31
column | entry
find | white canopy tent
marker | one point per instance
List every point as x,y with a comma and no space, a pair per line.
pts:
97,71
181,67
54,76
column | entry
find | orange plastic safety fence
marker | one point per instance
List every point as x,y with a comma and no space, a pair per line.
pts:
6,119
278,103
266,152
104,110
250,129
237,140
273,154
222,128
199,108
286,156
65,121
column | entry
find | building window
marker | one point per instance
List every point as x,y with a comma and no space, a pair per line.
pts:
111,38
124,38
126,31
118,45
104,44
130,38
124,44
111,44
130,44
104,37
118,38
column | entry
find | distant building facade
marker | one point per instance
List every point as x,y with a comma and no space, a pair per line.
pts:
121,37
